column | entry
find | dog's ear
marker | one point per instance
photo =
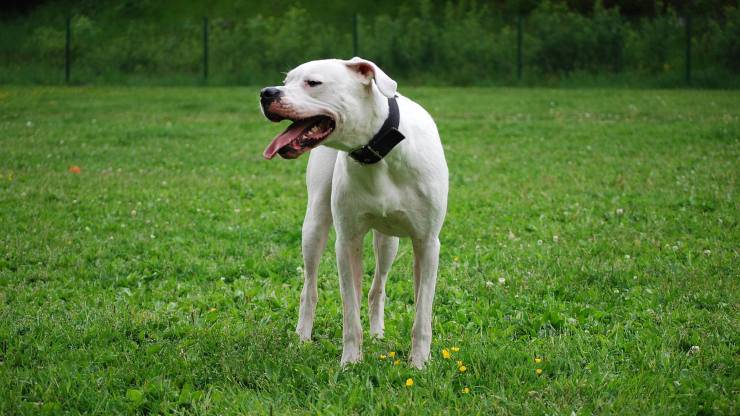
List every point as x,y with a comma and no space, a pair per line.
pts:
369,71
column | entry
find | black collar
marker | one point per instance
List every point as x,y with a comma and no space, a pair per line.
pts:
384,140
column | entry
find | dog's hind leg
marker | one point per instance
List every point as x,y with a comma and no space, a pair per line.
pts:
426,261
349,262
385,248
315,232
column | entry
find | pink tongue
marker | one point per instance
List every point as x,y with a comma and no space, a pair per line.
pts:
284,138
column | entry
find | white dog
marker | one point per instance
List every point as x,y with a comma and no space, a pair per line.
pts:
381,167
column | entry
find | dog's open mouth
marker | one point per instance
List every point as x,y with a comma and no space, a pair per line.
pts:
301,136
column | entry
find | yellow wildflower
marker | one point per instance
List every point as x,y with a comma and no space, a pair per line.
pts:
409,382
538,371
455,349
446,354
397,362
537,360
462,368
392,354
382,356
459,363
465,390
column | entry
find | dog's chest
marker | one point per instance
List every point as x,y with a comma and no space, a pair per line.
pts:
379,199
397,223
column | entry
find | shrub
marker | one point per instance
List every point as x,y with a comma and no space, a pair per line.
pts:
462,43
651,43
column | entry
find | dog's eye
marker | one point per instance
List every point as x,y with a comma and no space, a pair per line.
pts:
312,83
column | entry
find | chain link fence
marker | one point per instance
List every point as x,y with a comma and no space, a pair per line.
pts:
452,46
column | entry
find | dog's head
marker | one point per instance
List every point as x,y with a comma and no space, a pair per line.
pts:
331,101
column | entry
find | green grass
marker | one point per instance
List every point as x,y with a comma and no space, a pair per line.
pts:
594,229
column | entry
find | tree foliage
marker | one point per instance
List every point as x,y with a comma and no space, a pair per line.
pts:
459,43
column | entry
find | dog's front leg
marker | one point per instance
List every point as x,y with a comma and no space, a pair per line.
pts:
426,260
349,262
316,226
315,232
385,248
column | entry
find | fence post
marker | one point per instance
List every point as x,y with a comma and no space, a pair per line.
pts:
355,49
205,49
519,46
67,50
688,46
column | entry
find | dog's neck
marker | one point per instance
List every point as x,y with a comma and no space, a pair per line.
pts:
357,131
383,141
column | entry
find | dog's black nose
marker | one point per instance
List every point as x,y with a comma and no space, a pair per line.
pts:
270,93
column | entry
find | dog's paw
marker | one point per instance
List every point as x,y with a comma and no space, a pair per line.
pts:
376,325
377,333
417,363
350,357
418,360
303,334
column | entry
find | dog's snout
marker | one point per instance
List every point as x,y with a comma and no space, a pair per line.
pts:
270,93
268,97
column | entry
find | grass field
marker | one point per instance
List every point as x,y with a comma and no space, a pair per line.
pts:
589,259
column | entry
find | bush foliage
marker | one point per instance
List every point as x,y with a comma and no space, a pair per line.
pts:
462,43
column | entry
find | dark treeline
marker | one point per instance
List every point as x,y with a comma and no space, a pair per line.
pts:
629,42
335,11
